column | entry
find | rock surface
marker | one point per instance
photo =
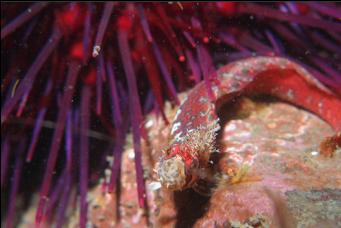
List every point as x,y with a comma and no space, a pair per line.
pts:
271,175
287,182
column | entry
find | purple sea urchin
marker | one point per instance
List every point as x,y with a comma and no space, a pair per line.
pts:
62,62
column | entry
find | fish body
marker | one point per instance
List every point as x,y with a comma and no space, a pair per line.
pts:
195,126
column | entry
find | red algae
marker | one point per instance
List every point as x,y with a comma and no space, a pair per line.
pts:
330,145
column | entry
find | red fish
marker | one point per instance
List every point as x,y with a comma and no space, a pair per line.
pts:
196,123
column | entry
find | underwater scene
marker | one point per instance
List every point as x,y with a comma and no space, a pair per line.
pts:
171,114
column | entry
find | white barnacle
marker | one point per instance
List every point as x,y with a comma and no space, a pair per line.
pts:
131,154
315,153
149,123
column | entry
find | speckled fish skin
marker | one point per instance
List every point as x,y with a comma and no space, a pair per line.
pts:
278,77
